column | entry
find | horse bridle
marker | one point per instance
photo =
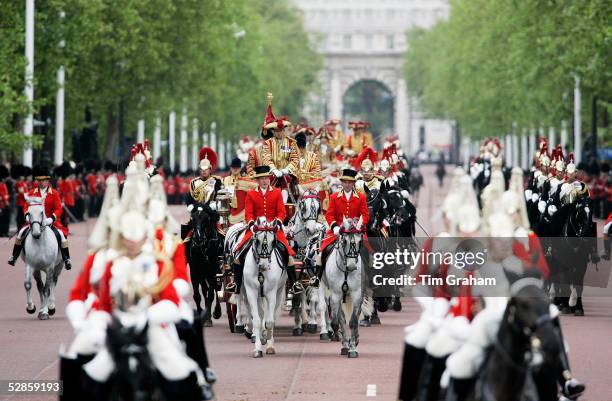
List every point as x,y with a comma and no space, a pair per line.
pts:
266,249
354,250
314,211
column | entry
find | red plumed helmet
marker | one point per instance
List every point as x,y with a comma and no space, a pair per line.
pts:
366,153
207,152
571,157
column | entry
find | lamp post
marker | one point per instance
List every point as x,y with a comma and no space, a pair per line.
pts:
28,125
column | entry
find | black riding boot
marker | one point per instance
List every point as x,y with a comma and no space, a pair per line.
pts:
69,374
429,382
459,389
93,390
66,257
295,284
570,387
411,371
16,252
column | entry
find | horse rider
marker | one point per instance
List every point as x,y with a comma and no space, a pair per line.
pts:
204,188
180,377
53,213
310,165
347,203
264,201
368,180
281,153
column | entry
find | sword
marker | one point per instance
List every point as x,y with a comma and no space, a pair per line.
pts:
425,231
74,219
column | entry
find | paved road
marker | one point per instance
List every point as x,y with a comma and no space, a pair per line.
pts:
304,368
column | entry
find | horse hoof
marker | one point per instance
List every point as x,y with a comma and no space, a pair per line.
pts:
344,351
263,340
397,305
239,329
51,311
248,335
208,323
43,316
353,354
311,328
297,332
270,351
579,312
31,311
374,319
252,339
336,337
257,354
365,323
383,307
324,337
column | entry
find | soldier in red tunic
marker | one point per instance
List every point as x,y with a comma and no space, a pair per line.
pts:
53,212
5,204
266,201
348,203
20,189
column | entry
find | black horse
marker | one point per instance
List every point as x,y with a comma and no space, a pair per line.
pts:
203,252
573,252
521,364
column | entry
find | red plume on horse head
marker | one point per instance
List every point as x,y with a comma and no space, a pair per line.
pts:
207,152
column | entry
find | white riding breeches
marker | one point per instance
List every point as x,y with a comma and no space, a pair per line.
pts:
166,354
465,362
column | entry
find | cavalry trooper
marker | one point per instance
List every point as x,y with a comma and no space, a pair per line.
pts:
53,213
204,188
310,164
368,180
265,201
347,203
280,152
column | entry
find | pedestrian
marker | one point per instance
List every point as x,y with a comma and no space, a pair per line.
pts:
5,204
440,172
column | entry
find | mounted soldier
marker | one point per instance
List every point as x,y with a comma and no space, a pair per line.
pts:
367,179
53,212
204,188
346,204
265,201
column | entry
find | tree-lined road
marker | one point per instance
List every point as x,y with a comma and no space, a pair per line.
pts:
303,368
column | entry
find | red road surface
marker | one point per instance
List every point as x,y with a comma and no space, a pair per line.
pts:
304,368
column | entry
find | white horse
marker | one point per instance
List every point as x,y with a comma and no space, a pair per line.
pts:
304,229
41,254
343,276
264,284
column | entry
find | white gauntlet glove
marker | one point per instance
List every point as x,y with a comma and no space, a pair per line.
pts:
285,171
48,221
552,209
277,173
535,197
541,206
405,194
528,193
212,205
336,230
190,208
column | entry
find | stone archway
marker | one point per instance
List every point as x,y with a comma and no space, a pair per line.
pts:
373,101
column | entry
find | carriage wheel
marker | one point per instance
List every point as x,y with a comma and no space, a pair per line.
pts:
231,315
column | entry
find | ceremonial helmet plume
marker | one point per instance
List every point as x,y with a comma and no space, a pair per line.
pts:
208,158
271,121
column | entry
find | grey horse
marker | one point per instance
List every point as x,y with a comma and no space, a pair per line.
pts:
41,255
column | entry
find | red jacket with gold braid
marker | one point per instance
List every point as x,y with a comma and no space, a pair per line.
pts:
339,208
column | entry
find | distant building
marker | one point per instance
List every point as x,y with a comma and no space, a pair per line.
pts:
366,40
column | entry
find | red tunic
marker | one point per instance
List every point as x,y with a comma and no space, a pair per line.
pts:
53,207
339,208
105,302
92,184
4,195
21,188
66,190
270,206
525,254
82,287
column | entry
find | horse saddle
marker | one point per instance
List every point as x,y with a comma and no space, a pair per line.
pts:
326,252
